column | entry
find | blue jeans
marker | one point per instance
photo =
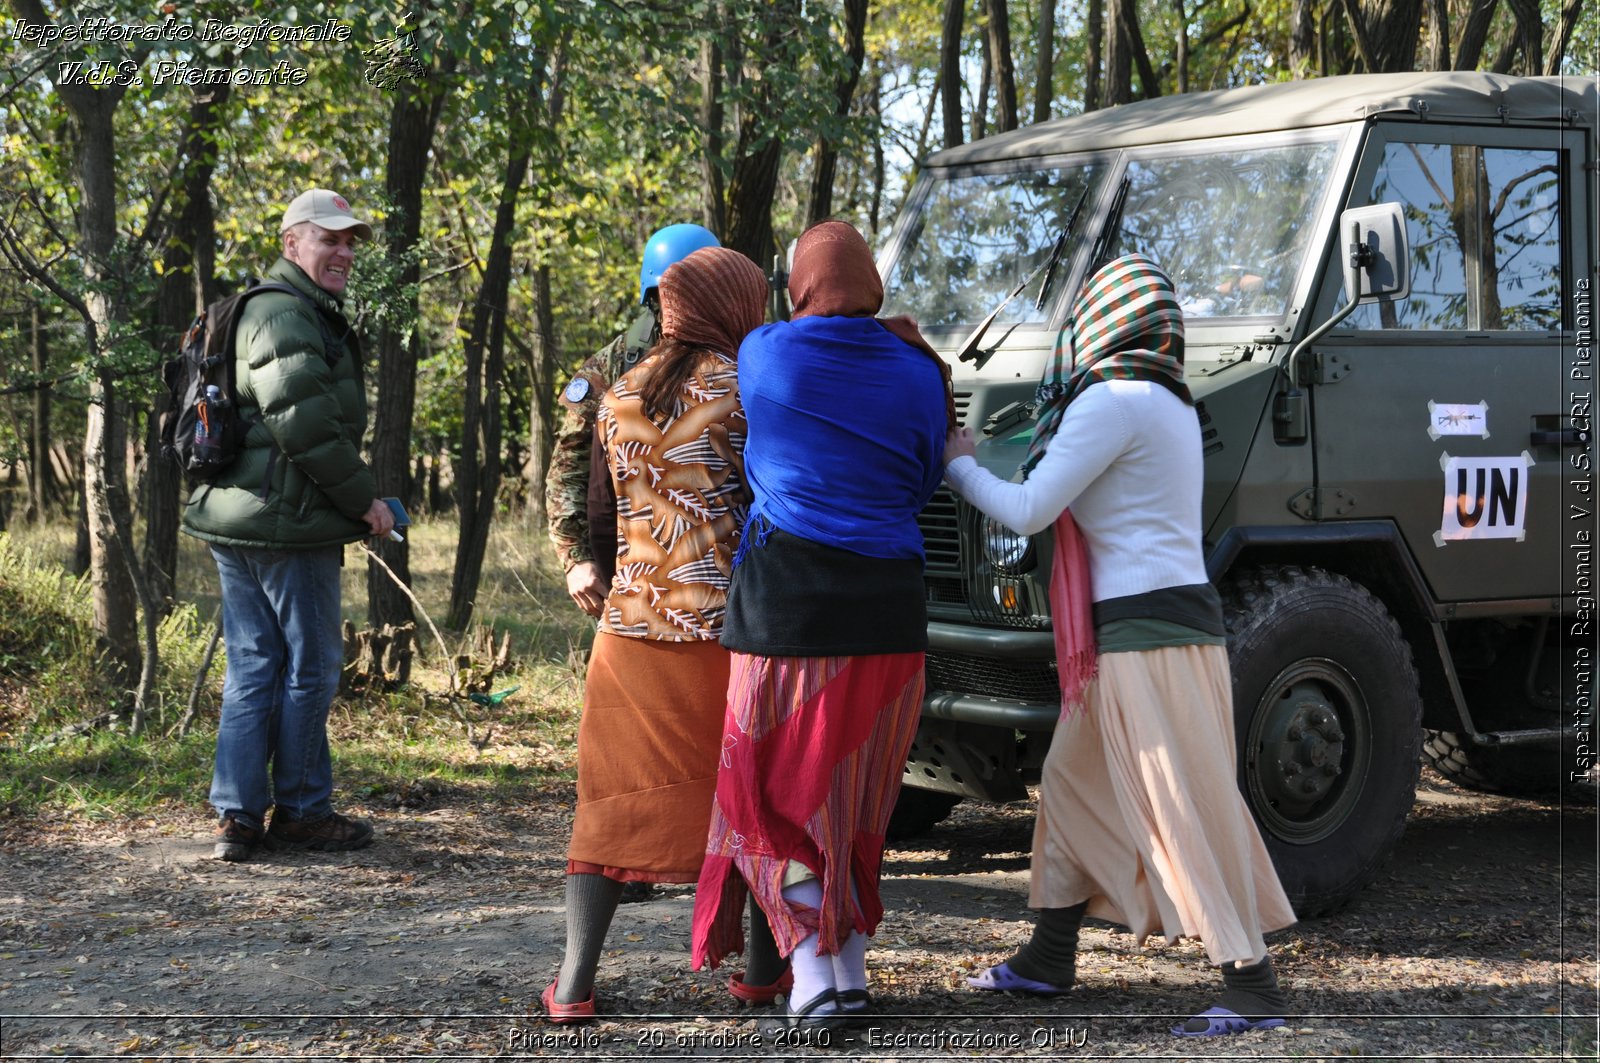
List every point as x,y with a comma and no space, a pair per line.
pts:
280,623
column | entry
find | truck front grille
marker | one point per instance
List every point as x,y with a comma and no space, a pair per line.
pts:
941,537
991,677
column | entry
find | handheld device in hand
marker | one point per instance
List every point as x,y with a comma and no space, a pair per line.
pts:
401,519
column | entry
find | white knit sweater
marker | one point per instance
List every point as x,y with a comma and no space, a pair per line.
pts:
1127,460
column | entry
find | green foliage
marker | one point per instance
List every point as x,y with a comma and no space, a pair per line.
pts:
47,649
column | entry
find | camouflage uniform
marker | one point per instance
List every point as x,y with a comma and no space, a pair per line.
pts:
566,488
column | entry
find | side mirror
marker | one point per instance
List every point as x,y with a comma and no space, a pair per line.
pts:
1377,263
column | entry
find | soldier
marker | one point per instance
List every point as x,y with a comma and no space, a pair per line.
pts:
566,488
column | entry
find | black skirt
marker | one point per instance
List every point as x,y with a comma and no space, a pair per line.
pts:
791,597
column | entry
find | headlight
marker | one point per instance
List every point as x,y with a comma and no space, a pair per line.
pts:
1003,548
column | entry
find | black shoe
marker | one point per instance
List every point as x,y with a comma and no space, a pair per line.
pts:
331,833
235,841
806,1026
635,892
854,1004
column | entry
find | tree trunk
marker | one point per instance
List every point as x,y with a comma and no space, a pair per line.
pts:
412,121
760,149
713,209
41,484
1044,69
1181,58
1141,55
826,151
1302,39
1562,36
1386,36
478,478
1527,43
980,104
1005,76
1119,56
950,70
82,550
540,360
105,437
188,284
875,212
1093,56
1439,35
1474,34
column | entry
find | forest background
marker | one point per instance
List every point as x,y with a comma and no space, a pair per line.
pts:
514,158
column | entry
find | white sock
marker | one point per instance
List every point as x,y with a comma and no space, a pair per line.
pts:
850,966
813,974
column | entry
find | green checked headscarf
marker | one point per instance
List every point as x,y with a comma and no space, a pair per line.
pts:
1125,326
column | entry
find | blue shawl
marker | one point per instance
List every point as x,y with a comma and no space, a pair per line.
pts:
847,432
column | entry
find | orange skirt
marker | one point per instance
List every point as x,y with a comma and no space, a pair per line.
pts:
648,746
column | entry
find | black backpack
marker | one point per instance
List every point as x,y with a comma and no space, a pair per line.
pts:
202,429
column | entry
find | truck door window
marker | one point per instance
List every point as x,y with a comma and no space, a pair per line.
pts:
1231,228
1485,237
975,237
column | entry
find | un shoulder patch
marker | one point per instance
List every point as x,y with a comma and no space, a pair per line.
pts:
578,390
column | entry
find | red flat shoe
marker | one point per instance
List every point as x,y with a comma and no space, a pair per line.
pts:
566,1014
760,994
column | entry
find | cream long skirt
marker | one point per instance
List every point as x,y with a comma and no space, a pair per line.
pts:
1140,813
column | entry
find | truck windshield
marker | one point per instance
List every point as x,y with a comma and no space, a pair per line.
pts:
976,237
1231,229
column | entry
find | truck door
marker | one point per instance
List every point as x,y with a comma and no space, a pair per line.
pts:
1447,411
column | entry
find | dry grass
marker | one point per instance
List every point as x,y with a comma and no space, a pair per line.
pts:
385,743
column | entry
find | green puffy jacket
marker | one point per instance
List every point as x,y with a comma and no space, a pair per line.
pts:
300,481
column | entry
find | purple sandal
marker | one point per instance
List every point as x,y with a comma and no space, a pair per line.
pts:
1002,979
1221,1021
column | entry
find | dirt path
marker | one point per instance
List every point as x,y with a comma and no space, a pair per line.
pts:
129,943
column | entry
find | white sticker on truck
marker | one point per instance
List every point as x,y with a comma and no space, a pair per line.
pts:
1484,498
1458,419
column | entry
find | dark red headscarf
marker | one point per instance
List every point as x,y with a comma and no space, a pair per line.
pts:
834,276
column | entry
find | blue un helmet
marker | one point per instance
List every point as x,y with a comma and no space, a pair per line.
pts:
667,246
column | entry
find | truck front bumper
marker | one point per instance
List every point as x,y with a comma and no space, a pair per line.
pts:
1006,677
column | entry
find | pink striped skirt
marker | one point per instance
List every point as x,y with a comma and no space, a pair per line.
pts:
813,749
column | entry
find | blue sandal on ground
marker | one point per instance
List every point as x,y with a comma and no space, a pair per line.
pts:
1219,1022
1002,979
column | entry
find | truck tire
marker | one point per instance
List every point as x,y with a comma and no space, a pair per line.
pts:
1520,771
917,812
1328,718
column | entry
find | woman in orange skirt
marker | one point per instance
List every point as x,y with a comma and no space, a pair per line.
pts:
671,431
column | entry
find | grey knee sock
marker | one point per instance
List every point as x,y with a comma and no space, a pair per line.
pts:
763,965
591,902
1253,991
1051,954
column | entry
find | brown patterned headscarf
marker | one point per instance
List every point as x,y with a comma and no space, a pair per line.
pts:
834,276
713,298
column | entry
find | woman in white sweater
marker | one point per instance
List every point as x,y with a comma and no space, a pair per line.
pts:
1140,821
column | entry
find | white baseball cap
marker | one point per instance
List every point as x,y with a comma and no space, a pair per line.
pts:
324,207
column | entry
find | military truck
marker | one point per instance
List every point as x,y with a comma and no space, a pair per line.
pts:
1386,282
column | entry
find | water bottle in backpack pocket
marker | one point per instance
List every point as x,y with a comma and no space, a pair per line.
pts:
202,429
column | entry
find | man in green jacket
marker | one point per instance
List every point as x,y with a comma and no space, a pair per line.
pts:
277,520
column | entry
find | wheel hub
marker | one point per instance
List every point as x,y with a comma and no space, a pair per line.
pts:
1306,751
1304,748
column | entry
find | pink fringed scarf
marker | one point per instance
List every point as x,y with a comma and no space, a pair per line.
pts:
1070,606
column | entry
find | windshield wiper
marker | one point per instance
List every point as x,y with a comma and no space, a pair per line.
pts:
969,349
1109,231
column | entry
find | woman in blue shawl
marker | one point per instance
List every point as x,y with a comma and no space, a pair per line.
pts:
826,619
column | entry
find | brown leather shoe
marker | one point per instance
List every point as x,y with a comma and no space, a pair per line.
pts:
235,841
332,833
